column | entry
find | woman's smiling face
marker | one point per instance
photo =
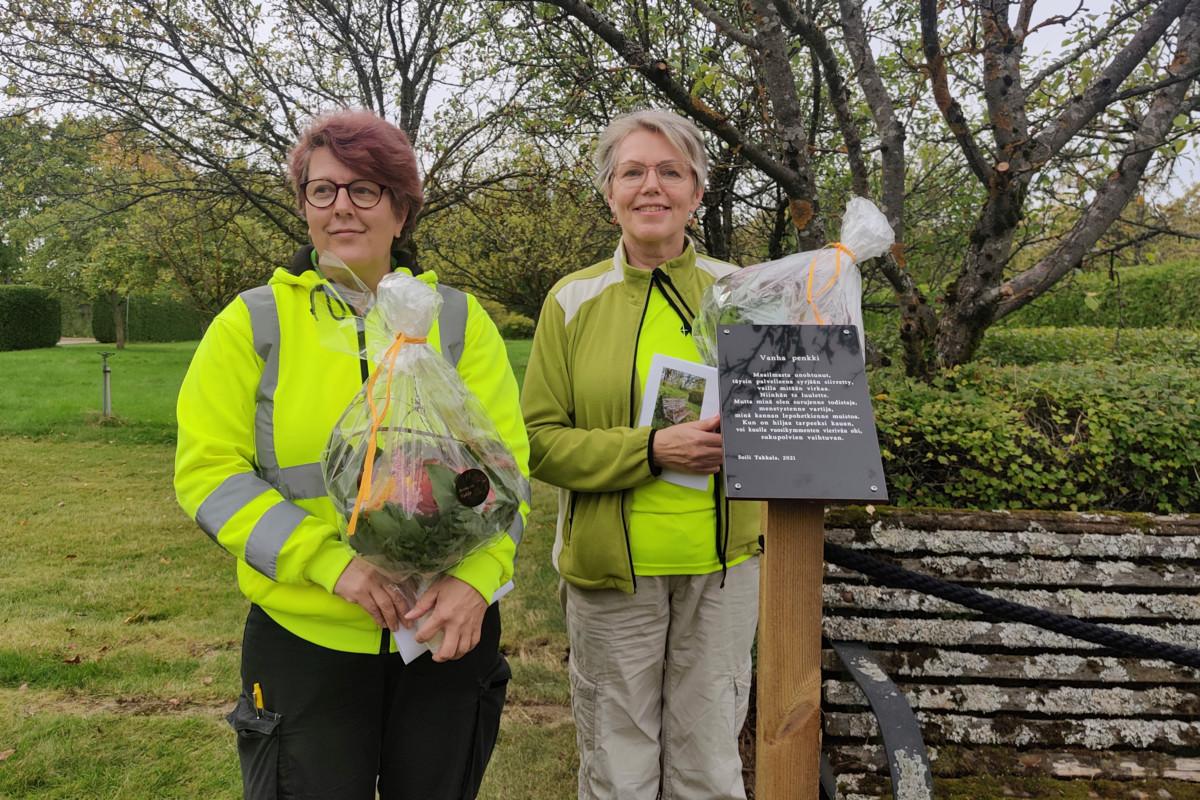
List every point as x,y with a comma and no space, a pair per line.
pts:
652,212
361,237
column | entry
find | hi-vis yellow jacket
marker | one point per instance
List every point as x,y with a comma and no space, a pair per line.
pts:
255,410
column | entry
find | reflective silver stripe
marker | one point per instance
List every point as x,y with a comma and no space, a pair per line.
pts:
270,533
302,482
452,323
234,493
517,529
264,321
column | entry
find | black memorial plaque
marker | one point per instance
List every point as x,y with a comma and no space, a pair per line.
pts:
796,414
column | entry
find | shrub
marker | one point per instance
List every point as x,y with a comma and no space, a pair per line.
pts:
1060,436
511,325
29,318
515,326
148,319
1025,346
1161,296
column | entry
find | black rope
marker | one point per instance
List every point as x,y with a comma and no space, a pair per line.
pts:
900,578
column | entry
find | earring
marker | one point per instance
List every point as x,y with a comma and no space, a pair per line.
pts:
612,219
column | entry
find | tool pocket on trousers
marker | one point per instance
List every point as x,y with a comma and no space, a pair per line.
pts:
741,697
583,705
492,691
258,748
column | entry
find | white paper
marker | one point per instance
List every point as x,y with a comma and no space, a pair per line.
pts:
407,643
686,376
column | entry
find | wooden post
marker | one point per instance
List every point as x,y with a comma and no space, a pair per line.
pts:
788,751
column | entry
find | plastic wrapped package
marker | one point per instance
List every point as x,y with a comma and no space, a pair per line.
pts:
343,304
415,465
818,287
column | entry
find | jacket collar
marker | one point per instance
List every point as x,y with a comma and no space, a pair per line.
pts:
681,263
301,271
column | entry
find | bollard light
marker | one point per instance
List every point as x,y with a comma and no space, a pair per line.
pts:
106,387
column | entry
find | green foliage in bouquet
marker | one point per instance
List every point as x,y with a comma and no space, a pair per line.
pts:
427,543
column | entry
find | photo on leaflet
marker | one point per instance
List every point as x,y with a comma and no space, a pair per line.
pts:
680,396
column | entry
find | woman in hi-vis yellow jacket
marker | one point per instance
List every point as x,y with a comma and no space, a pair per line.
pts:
328,707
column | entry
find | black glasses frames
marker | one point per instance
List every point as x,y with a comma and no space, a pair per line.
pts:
322,193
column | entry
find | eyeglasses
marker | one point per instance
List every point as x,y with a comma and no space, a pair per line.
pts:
670,173
323,193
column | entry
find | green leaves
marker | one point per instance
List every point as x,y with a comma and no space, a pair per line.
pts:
1085,436
1078,345
1160,296
427,543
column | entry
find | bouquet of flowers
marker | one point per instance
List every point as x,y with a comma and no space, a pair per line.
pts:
414,464
819,287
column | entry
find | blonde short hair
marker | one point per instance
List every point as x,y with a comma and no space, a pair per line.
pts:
681,132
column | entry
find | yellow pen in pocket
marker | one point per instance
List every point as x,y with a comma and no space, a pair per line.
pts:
258,700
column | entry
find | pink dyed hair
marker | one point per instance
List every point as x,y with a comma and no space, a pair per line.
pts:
372,147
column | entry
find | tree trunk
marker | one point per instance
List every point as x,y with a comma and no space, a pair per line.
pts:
967,313
119,323
970,305
717,224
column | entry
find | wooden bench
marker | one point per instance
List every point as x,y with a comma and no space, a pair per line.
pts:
1008,698
1005,698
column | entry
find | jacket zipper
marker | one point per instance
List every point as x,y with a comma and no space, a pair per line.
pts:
571,513
633,423
363,366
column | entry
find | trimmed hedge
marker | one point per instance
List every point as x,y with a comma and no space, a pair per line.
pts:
515,326
1027,346
1160,296
29,318
148,319
1061,436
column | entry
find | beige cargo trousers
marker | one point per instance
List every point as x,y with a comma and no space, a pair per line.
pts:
660,683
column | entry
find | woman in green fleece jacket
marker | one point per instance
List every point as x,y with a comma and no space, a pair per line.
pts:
660,581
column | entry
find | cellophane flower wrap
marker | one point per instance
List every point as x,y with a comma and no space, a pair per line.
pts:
817,287
415,465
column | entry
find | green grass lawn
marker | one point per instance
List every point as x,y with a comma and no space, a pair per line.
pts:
55,392
120,622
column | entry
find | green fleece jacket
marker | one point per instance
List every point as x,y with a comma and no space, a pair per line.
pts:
580,401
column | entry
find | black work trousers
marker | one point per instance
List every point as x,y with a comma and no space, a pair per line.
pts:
336,725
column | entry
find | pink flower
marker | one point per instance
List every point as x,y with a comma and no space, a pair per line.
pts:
412,489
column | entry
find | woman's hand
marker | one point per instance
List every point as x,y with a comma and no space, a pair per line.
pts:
690,447
455,610
362,584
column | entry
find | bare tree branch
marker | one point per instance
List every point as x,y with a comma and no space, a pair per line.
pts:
1089,45
789,120
804,27
1106,206
951,110
658,74
723,25
1099,94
